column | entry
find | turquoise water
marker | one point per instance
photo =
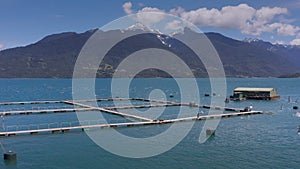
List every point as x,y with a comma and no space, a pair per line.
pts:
258,141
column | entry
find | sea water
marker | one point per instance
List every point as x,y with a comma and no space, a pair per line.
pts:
257,141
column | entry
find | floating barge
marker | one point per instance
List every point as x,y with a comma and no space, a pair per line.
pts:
245,93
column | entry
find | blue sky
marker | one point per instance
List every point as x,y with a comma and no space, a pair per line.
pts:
26,21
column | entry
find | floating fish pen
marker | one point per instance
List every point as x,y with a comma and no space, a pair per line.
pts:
106,107
245,93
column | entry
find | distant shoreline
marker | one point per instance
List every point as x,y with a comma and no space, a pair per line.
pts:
295,75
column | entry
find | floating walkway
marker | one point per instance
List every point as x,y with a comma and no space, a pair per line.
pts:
129,124
108,109
30,102
62,101
43,111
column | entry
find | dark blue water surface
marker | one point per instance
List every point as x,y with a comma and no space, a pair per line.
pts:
258,141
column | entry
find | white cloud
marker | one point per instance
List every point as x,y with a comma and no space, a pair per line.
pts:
174,25
227,17
148,16
282,29
266,14
295,42
242,17
280,42
127,7
1,46
176,11
287,30
283,19
261,21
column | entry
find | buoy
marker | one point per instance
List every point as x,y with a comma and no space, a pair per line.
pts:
10,156
246,109
210,132
226,100
295,107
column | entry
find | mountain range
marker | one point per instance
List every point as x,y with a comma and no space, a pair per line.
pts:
55,55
